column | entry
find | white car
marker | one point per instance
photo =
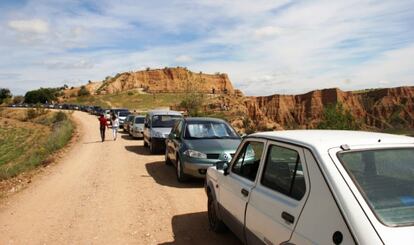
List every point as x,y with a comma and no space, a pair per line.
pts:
137,127
316,187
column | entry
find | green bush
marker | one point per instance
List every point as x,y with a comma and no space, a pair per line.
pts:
60,116
336,117
83,91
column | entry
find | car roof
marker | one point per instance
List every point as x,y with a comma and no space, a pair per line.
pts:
164,112
333,138
203,119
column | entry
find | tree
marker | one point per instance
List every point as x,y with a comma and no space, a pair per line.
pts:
193,98
336,117
41,95
4,94
83,91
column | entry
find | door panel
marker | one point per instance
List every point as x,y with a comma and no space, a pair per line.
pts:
277,200
238,184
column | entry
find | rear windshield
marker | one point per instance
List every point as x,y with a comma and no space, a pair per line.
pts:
139,120
386,179
164,121
209,130
123,113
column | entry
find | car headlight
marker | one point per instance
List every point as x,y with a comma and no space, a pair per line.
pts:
157,134
195,154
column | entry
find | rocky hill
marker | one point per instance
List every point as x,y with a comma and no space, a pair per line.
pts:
167,80
379,108
376,108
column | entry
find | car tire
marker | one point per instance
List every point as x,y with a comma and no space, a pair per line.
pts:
152,149
181,176
214,222
167,159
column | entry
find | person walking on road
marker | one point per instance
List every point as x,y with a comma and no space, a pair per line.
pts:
115,125
103,124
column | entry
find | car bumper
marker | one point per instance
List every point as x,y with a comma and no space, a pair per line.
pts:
137,134
159,143
197,167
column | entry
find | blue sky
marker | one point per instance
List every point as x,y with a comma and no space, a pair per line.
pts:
265,46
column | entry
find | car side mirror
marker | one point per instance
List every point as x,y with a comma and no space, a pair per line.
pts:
223,165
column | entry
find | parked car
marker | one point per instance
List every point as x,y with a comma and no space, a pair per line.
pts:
128,123
316,187
122,116
195,144
157,127
137,127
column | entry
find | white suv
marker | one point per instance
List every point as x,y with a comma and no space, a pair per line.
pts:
316,187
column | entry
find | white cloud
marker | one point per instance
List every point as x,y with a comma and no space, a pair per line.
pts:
265,46
267,31
184,59
35,26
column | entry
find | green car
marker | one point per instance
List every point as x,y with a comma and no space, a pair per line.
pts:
195,144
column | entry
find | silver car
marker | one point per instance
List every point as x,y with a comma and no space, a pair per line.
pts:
137,127
157,127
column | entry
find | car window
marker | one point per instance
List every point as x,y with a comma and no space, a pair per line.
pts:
209,130
247,162
139,120
283,172
385,178
177,128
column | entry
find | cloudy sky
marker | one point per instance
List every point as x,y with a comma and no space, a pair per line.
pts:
266,46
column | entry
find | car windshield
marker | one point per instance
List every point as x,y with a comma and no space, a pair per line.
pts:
123,113
385,178
139,120
209,130
164,121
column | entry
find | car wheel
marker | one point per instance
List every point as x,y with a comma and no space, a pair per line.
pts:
181,176
167,159
151,147
215,223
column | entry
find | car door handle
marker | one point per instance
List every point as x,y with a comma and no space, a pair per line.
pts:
244,192
288,217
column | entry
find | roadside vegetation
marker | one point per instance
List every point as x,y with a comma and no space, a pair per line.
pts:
132,100
29,137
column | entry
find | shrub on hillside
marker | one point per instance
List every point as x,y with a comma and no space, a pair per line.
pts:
83,91
336,117
60,116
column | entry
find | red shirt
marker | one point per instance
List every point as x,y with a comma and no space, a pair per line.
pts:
102,121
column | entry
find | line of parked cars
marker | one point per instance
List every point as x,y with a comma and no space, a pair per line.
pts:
291,187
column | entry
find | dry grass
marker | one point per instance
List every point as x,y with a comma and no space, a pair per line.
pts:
25,145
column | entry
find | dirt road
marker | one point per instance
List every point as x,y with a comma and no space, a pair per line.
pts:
108,193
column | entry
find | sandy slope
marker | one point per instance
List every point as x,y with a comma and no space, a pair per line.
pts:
108,193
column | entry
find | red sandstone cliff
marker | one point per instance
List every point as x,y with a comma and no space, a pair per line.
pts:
381,108
168,80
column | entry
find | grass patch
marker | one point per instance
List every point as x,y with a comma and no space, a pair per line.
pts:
131,100
26,145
